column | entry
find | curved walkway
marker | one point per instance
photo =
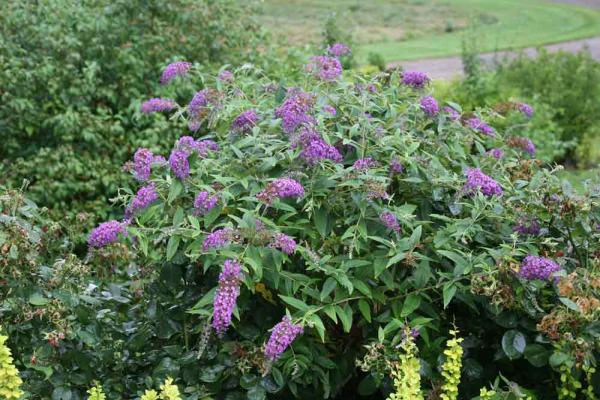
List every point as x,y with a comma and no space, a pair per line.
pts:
450,67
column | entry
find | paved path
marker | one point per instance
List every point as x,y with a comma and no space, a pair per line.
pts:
450,67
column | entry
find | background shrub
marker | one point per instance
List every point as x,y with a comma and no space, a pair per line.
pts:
71,75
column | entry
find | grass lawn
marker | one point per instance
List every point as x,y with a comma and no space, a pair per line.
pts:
413,29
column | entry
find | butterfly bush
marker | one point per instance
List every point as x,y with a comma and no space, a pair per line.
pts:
174,70
429,106
157,105
226,295
355,225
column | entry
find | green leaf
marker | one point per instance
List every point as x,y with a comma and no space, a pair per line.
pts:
294,302
537,355
318,324
411,303
570,304
178,217
328,287
172,246
513,344
345,315
365,309
37,299
557,359
175,190
322,222
330,311
448,293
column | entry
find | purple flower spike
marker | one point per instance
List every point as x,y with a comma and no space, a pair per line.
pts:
496,153
178,160
416,79
226,295
538,268
477,181
283,242
157,105
390,221
429,106
324,67
244,122
338,50
106,233
294,111
226,76
452,114
329,110
528,226
173,70
204,202
480,126
219,238
281,188
283,334
142,164
526,109
143,198
364,164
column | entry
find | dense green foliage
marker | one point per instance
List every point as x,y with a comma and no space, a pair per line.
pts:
72,74
563,88
350,281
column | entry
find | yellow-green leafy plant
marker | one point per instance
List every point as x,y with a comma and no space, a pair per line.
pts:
169,391
149,395
485,394
96,393
451,368
10,382
407,380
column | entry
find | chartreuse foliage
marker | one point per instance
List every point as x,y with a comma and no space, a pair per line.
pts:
10,382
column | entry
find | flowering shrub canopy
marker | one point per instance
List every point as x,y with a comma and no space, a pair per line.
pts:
309,233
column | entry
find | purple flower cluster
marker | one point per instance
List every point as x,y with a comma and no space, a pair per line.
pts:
295,109
524,144
329,110
157,104
314,148
145,196
496,153
281,188
226,76
219,238
178,161
396,167
199,107
480,126
534,267
478,181
226,295
452,114
429,106
204,202
283,334
364,164
106,233
415,79
202,147
283,242
173,70
142,163
390,221
528,226
338,50
526,109
324,67
244,122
